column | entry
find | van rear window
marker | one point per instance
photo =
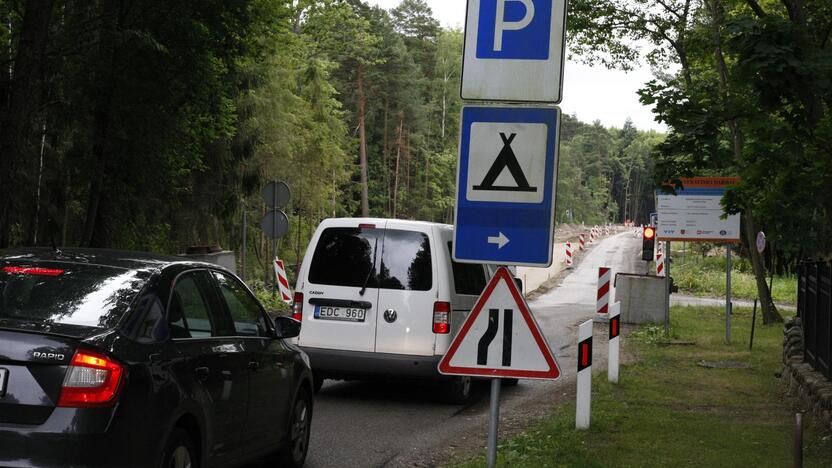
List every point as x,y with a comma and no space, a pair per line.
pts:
469,278
344,257
387,259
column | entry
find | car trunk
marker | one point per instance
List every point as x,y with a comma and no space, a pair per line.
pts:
33,366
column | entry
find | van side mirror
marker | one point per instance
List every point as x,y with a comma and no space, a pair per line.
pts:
286,327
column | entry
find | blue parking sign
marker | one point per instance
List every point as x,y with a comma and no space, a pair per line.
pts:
514,50
506,185
514,29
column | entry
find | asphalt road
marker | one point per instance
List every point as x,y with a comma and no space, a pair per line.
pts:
372,424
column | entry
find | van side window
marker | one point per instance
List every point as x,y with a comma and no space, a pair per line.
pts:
469,278
406,261
344,257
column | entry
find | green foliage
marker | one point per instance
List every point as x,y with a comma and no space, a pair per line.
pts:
705,276
164,120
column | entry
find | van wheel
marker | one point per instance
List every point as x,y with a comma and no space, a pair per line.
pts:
459,390
510,382
179,451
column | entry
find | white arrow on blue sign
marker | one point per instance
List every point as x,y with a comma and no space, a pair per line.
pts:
505,202
514,50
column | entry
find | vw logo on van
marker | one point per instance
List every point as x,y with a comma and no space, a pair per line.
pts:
390,315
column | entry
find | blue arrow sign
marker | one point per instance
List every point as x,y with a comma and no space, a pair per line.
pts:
505,202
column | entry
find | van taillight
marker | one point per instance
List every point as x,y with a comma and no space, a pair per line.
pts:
91,380
441,317
297,306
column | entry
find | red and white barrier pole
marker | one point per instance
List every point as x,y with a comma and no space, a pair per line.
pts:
581,244
568,254
607,230
584,392
604,277
591,237
282,281
615,330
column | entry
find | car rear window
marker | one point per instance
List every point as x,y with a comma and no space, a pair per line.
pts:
71,294
350,257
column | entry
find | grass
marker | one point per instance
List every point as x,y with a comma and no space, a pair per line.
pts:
706,277
668,411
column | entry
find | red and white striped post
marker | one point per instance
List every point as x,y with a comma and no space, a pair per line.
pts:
591,237
568,254
604,277
581,244
583,395
606,229
282,281
615,330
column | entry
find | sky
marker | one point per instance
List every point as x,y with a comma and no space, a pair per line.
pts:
590,93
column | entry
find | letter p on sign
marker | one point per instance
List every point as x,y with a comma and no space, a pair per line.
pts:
514,29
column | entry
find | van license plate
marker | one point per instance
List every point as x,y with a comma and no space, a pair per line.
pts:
348,314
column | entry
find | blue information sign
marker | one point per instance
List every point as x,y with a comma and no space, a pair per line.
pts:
506,185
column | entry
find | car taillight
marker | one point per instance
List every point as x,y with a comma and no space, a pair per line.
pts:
91,380
39,271
441,317
297,306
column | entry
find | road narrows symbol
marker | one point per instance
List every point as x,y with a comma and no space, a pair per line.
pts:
508,319
506,158
488,337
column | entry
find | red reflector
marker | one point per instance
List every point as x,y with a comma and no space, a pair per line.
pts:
441,317
91,380
32,271
584,354
297,306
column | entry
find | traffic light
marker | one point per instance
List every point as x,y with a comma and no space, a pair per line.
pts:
648,243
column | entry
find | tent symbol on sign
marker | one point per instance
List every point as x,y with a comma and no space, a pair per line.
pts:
506,159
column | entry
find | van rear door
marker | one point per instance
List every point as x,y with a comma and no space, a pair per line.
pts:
341,291
407,291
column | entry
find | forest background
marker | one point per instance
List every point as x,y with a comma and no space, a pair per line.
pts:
153,124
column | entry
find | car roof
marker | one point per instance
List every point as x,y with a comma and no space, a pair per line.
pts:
126,259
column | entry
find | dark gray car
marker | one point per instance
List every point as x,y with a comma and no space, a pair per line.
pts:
112,358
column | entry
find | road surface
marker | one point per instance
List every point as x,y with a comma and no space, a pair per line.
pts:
374,424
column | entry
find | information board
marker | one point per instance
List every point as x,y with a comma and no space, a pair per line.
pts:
695,212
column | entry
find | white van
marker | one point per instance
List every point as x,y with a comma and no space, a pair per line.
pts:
382,297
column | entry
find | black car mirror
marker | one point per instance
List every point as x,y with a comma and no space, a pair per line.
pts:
286,327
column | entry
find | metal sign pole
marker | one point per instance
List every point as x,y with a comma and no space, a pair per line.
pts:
666,260
274,243
493,422
728,294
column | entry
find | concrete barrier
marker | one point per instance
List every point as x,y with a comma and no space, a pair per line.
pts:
533,277
641,298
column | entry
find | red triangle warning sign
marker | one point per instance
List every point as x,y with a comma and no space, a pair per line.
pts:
500,337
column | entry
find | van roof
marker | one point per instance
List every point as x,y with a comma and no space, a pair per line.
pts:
379,220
